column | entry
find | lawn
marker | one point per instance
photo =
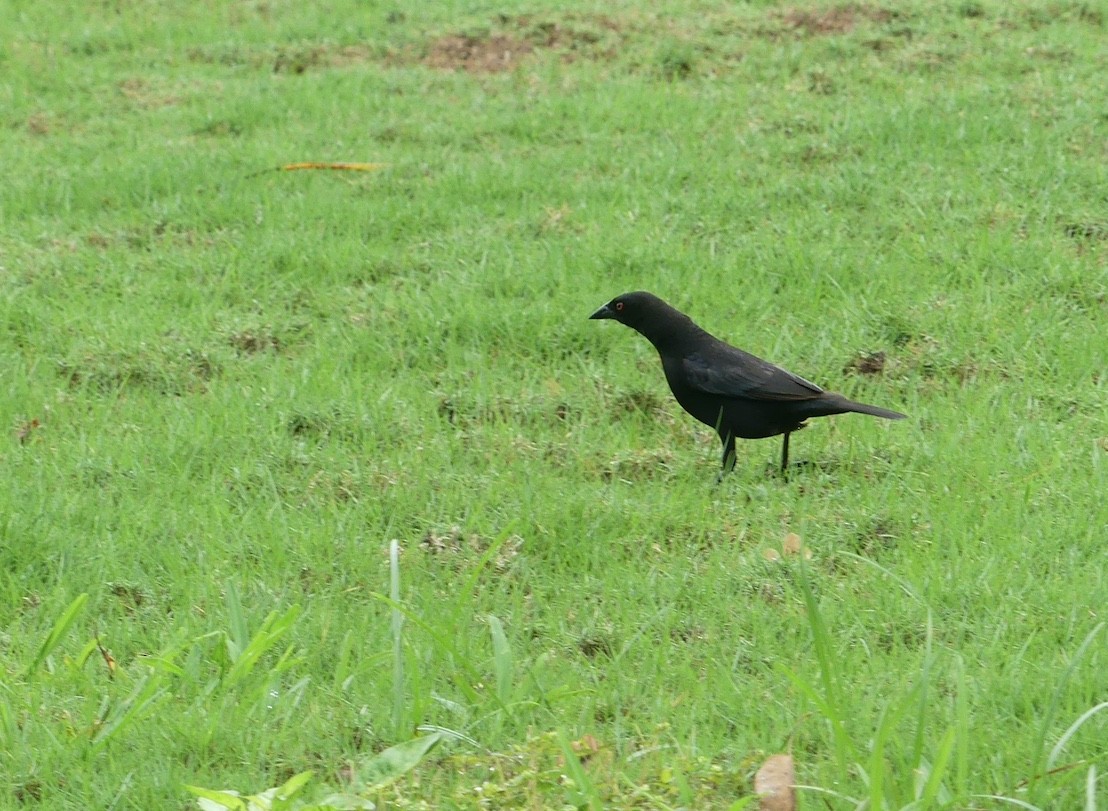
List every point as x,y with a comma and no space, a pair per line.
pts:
302,464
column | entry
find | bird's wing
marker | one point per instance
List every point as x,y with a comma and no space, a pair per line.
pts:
733,373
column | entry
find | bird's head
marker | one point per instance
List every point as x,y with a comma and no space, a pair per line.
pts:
651,317
633,309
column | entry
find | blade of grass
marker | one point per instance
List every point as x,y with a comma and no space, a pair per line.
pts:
1044,764
890,718
274,626
238,631
471,676
145,695
501,660
934,782
923,681
1071,731
397,618
1000,798
833,704
807,689
57,632
961,713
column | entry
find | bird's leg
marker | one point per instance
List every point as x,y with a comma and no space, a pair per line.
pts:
728,462
785,452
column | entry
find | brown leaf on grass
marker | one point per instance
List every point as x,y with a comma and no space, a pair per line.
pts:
792,545
109,660
337,167
341,167
775,784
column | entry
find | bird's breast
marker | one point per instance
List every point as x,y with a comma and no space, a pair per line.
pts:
705,407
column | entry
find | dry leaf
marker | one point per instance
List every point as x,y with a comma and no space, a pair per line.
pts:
109,660
337,167
793,546
341,167
775,784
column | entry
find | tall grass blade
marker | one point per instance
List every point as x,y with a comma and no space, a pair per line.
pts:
961,720
890,718
934,784
343,667
501,660
808,690
273,628
397,638
58,632
146,694
1056,699
468,675
238,632
1069,733
833,704
1090,790
923,682
1000,798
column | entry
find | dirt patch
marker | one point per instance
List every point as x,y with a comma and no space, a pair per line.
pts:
38,124
462,548
596,36
834,20
594,646
142,94
866,363
251,342
512,40
495,53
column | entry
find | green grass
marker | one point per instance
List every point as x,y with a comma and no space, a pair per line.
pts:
247,385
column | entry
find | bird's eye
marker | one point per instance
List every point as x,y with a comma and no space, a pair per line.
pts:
619,306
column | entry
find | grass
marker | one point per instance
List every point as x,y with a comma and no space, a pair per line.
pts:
227,393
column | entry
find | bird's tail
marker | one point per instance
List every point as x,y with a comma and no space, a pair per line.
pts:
831,402
874,411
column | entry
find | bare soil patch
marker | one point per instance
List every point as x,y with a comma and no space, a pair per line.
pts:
495,53
834,20
518,38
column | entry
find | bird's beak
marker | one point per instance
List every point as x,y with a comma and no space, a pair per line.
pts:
604,312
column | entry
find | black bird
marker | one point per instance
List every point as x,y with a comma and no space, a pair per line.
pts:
736,393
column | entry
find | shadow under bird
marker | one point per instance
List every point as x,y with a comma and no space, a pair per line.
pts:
734,392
